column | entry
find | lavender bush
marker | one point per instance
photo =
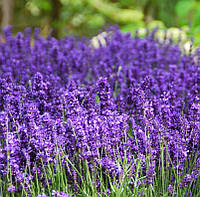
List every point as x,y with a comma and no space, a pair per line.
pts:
122,119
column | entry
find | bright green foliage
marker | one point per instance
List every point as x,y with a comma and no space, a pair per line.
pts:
86,17
188,12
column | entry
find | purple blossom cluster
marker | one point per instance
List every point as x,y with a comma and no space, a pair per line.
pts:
131,98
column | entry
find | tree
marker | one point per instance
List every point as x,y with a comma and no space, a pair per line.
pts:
7,12
55,16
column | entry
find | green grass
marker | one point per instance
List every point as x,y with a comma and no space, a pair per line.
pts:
127,184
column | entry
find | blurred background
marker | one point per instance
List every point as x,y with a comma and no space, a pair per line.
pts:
87,17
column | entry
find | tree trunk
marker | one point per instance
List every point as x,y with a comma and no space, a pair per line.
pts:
7,12
55,17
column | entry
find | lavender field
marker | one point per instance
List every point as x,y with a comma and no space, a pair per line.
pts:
119,120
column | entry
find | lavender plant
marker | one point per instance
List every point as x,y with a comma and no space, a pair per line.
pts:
122,119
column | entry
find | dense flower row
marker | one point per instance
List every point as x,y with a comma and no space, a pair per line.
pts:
127,99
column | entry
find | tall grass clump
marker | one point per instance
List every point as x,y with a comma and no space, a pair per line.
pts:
121,119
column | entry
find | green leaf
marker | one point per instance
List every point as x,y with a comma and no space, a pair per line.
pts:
132,27
196,20
44,5
97,99
95,21
183,8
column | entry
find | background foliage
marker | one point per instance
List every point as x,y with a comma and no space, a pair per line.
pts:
86,17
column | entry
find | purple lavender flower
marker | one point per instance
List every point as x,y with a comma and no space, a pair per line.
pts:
170,189
12,188
130,96
42,195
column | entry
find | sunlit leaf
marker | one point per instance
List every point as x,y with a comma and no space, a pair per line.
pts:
183,7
